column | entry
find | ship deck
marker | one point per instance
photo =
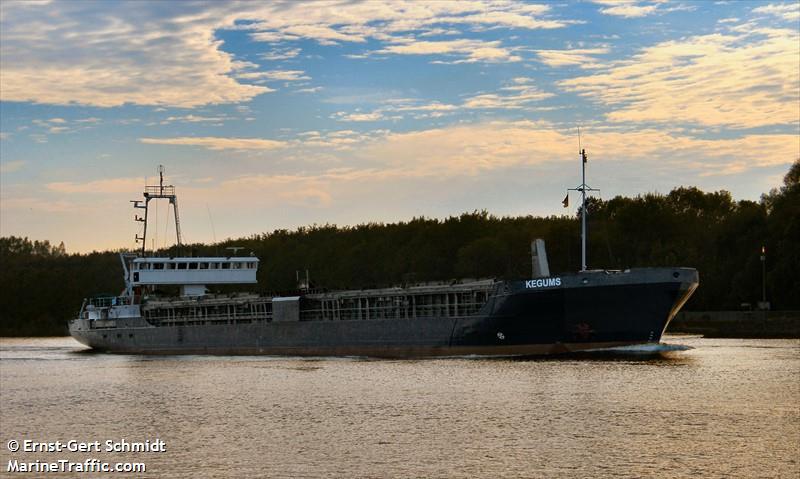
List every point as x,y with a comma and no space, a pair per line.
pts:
446,300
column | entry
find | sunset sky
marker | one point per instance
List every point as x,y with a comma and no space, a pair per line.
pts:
284,114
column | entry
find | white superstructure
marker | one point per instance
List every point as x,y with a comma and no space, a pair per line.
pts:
193,273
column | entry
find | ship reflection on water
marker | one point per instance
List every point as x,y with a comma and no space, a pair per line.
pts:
725,407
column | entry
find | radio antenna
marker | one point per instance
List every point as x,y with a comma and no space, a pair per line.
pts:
210,220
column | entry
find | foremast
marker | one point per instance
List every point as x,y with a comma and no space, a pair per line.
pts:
582,188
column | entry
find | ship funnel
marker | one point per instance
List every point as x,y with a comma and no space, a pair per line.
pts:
539,258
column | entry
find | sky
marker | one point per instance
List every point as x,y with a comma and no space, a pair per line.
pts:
270,115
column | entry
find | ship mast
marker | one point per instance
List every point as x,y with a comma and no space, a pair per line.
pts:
152,192
582,188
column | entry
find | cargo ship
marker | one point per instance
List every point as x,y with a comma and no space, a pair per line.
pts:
587,310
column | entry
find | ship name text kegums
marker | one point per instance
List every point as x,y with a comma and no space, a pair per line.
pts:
544,314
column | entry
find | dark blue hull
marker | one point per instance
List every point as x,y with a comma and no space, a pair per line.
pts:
634,313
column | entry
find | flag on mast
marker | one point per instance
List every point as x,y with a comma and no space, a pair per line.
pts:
565,202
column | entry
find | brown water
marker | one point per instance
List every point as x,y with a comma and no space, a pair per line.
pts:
725,408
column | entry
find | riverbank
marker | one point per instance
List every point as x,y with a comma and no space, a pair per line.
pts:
738,324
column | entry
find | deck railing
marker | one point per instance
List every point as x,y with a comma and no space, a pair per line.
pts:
160,190
108,301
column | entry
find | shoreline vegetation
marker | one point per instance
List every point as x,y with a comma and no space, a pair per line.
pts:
42,286
738,324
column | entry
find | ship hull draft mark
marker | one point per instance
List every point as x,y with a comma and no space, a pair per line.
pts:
584,311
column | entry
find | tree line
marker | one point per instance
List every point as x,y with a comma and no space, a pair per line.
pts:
41,286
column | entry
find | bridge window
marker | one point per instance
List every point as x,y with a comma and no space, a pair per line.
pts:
192,265
203,265
181,265
170,265
158,265
225,265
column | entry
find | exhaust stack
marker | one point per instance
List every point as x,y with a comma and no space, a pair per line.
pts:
539,259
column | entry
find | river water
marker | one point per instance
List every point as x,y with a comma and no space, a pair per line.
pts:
725,408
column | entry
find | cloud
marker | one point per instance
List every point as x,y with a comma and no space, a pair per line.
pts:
676,151
357,116
49,122
581,57
629,11
488,146
512,97
626,8
472,50
309,144
12,166
193,119
103,55
785,11
337,176
469,149
91,119
218,143
395,109
323,34
29,204
433,106
108,55
282,75
113,185
60,125
520,93
309,89
280,54
356,22
738,79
